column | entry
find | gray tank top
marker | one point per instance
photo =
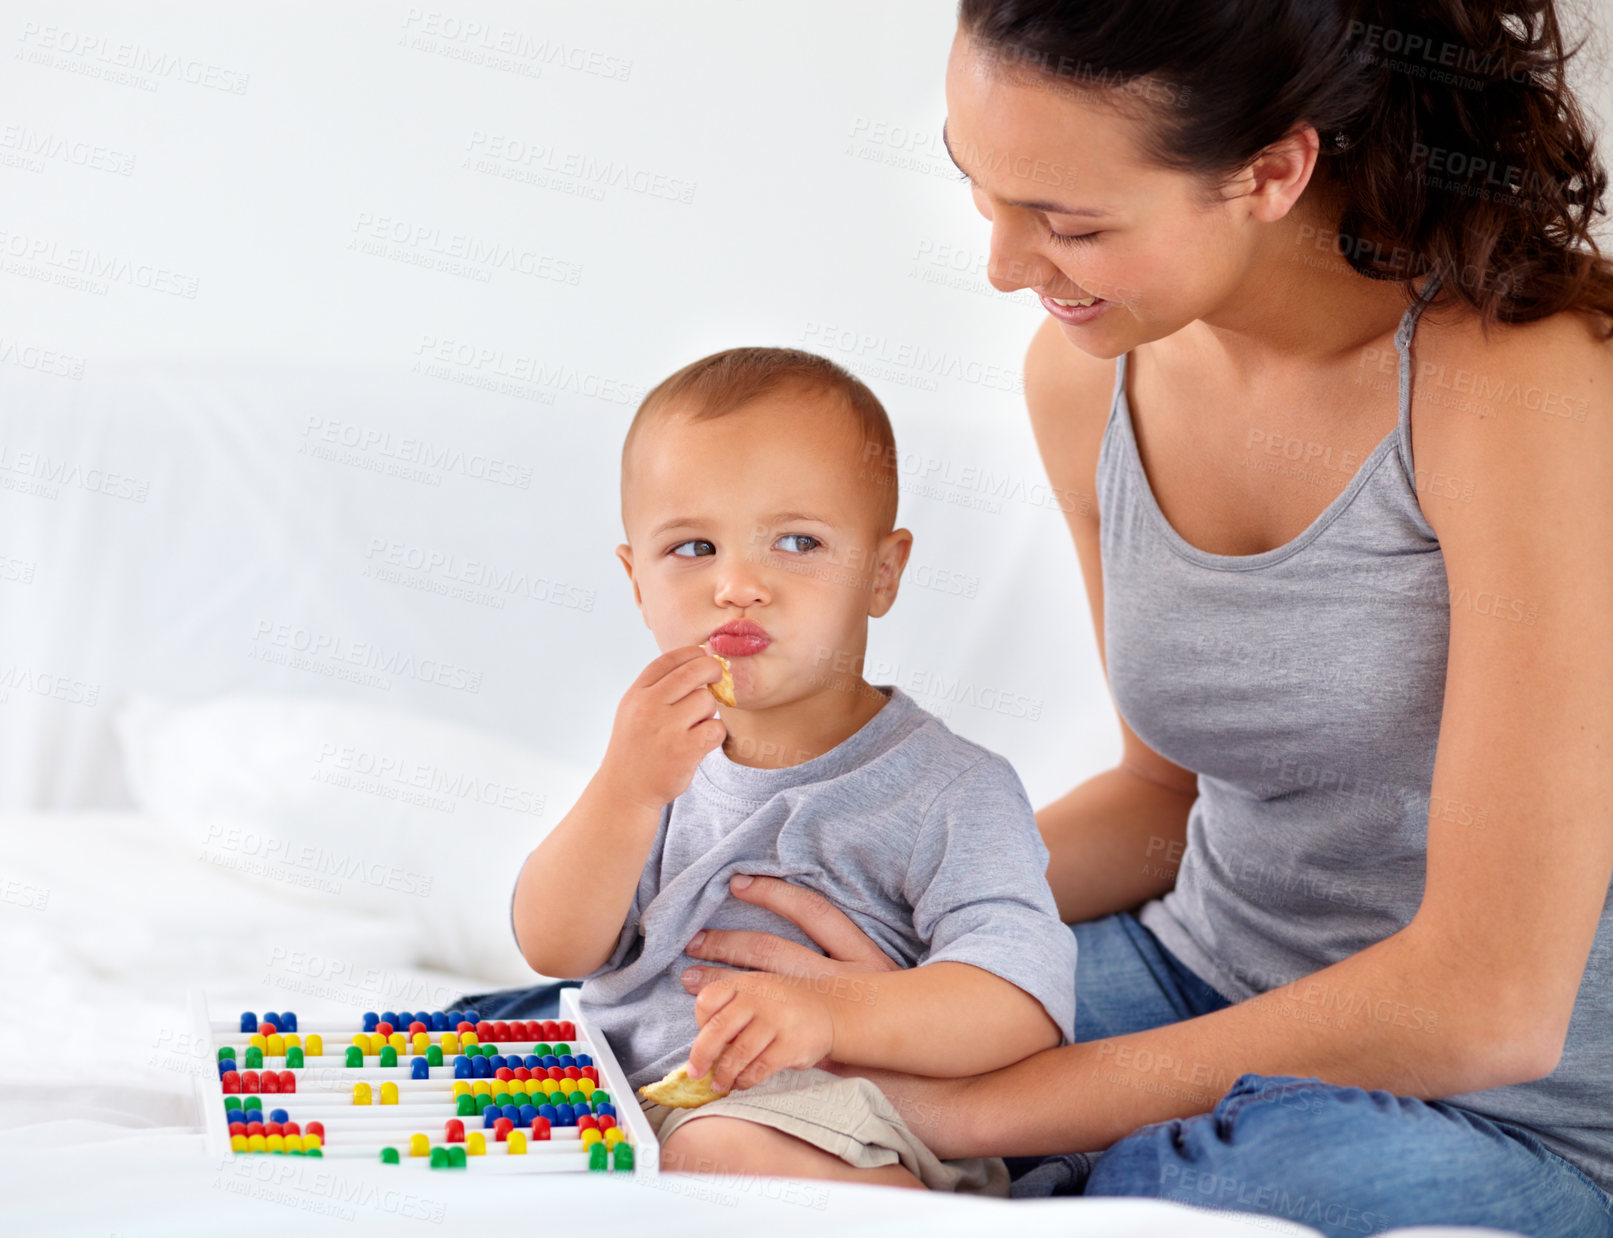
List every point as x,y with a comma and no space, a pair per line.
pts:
1304,686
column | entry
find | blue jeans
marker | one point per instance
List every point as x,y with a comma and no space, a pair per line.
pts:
1342,1160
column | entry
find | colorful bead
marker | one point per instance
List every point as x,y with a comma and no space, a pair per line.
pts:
389,1156
419,1145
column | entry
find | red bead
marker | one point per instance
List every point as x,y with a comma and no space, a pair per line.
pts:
556,1072
249,1082
501,1030
290,1128
417,1026
386,1029
455,1131
232,1083
572,1072
270,1082
484,1031
566,1031
273,1128
521,1072
504,1073
316,1128
287,1080
540,1127
551,1030
267,1029
502,1128
588,1122
529,1030
605,1121
237,1128
464,1027
254,1128
591,1072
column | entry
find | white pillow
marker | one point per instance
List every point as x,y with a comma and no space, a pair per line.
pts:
407,817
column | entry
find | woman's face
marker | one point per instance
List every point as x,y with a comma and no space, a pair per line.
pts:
1076,211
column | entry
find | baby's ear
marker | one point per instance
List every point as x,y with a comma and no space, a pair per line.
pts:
624,552
889,563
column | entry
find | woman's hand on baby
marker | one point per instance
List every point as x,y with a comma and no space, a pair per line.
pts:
665,725
847,949
753,1025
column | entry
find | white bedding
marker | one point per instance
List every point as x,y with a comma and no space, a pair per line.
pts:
107,918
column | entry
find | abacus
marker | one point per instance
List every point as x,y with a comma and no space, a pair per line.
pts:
429,1089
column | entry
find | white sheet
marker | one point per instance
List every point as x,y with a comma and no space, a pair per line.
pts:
105,921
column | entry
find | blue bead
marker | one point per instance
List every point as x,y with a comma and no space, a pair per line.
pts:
584,1060
489,1116
568,1116
550,1112
270,1016
278,1115
439,1021
371,1020
463,1069
550,1059
472,1017
422,1069
605,1108
226,1065
390,1016
499,1062
567,1060
234,1115
531,1062
249,1021
480,1068
253,1115
455,1018
288,1021
525,1115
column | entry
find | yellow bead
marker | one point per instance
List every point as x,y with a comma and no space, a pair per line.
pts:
362,1040
310,1142
398,1041
422,1042
275,1046
551,1086
450,1044
585,1086
481,1088
315,1047
591,1137
361,1094
293,1041
238,1143
516,1142
419,1145
475,1144
377,1043
389,1093
255,1143
460,1088
614,1136
275,1143
469,1038
293,1143
257,1041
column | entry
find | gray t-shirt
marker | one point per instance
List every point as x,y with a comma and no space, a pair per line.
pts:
925,839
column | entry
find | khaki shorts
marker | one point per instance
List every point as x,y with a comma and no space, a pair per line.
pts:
848,1118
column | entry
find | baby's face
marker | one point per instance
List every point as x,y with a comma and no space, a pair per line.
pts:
768,515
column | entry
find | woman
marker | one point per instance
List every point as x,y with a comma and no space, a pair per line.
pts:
1345,942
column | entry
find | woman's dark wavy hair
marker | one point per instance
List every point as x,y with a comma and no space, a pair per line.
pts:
1448,125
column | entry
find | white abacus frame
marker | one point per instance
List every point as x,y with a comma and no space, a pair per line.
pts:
554,1155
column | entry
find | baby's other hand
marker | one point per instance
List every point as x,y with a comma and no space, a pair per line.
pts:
753,1025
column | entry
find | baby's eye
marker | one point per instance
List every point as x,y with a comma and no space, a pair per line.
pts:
710,549
801,537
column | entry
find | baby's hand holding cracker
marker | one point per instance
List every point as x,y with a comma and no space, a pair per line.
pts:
664,727
753,1025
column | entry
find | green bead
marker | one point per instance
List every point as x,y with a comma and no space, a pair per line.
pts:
599,1096
439,1158
456,1156
624,1156
597,1157
467,1105
434,1055
254,1058
482,1102
389,1056
355,1055
294,1057
226,1052
488,1050
297,1152
576,1098
543,1048
315,1152
251,1102
561,1049
389,1156
503,1098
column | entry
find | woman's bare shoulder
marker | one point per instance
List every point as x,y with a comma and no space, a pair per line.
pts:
1068,394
